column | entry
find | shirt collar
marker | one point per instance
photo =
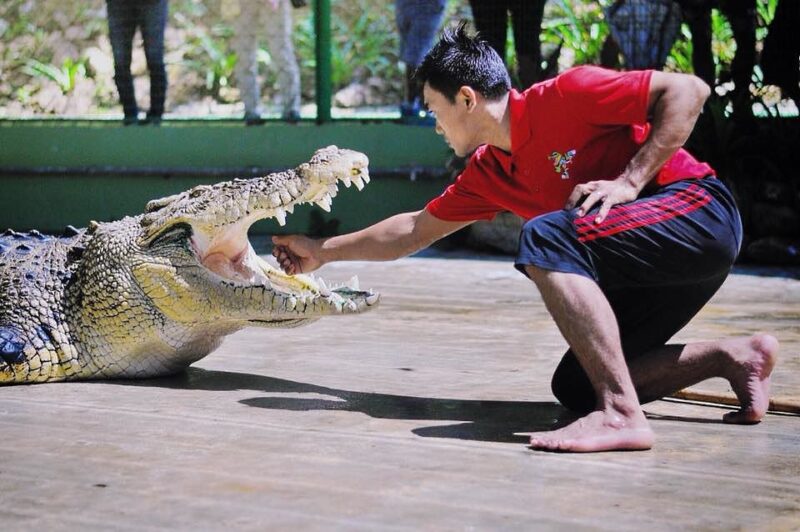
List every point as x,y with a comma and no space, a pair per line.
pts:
520,120
520,131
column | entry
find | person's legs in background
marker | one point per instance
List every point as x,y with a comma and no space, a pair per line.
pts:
245,42
278,24
417,24
697,14
526,19
743,20
122,22
491,21
154,21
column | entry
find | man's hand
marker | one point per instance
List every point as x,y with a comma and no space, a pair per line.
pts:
606,193
296,253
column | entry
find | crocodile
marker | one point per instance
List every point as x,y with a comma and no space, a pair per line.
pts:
148,295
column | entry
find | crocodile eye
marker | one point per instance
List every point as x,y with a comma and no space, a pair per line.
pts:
173,233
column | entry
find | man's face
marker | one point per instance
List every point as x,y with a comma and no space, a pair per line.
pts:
452,120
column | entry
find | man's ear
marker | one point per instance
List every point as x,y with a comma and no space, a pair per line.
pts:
468,96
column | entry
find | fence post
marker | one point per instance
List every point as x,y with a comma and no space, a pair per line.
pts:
322,29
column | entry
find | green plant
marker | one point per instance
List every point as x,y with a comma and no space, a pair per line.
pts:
364,43
64,76
211,54
579,27
765,10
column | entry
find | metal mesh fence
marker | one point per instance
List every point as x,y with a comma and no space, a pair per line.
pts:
219,58
256,58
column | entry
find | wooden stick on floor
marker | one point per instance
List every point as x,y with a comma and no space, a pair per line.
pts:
775,405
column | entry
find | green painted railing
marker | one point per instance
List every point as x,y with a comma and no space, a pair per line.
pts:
322,27
56,171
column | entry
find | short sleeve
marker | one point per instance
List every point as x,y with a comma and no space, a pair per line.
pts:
456,204
600,96
463,200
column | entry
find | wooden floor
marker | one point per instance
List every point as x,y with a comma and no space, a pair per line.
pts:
405,418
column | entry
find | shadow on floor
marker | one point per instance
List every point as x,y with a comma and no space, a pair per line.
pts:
495,421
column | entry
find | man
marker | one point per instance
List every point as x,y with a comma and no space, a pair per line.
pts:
629,236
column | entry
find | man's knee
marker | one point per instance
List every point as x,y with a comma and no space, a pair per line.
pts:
571,386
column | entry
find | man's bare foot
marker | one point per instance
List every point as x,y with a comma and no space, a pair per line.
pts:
598,431
753,359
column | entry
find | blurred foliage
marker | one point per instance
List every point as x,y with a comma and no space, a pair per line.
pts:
64,76
578,27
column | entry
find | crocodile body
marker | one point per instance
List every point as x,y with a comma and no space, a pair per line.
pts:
149,295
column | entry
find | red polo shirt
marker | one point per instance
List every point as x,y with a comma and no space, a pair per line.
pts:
584,125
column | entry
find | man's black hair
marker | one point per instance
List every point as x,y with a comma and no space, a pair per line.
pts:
458,59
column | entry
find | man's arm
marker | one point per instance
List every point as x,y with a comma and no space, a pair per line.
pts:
389,239
675,102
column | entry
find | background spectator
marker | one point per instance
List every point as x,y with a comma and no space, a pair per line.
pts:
417,24
150,16
779,59
273,20
491,21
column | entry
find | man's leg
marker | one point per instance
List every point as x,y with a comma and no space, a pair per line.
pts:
683,234
745,362
648,317
585,318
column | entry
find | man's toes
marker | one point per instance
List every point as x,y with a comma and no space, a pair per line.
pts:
742,417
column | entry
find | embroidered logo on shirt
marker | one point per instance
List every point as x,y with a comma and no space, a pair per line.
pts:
561,162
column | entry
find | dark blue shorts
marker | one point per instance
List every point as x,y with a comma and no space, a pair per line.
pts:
658,259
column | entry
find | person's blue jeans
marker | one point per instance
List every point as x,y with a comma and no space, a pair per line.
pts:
150,16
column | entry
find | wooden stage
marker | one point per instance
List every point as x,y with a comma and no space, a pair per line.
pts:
406,418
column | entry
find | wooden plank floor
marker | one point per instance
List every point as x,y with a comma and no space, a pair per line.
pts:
405,418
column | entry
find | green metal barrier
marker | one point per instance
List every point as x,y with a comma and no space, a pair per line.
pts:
60,172
56,171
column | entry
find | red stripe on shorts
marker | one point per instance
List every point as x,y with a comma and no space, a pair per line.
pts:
647,212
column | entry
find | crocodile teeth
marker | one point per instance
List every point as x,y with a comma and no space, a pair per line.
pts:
291,303
280,215
290,208
325,203
324,291
275,199
333,190
358,182
346,181
365,177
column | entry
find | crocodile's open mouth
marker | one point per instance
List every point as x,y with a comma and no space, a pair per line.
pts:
228,253
214,221
234,260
